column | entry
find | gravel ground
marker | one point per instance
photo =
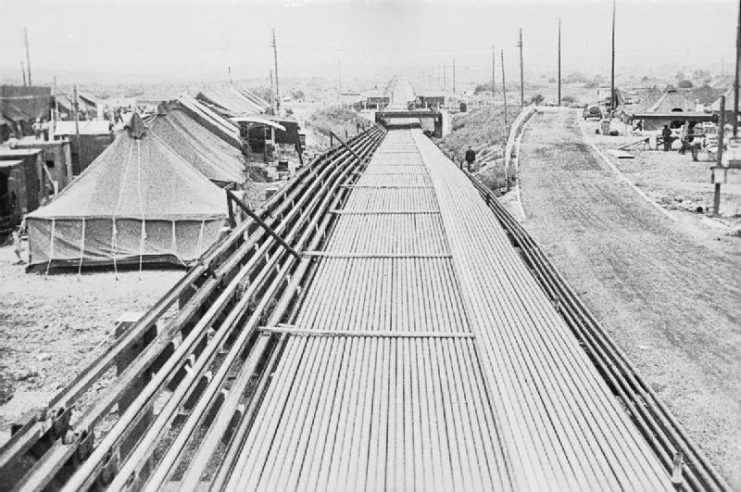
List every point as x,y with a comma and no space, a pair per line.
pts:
51,327
668,297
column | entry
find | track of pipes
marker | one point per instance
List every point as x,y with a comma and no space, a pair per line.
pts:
421,341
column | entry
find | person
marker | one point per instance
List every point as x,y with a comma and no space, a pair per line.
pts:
683,138
17,245
666,133
45,129
470,157
36,128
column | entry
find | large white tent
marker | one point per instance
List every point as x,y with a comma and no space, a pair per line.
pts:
138,202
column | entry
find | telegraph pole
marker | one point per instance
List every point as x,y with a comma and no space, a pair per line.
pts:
76,106
735,83
23,72
559,61
28,55
522,74
445,78
454,75
272,91
339,72
504,90
493,71
612,71
277,85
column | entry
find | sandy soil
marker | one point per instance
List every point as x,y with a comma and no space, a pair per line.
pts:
51,327
668,297
671,179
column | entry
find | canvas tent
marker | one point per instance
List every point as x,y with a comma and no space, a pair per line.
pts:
216,159
231,101
210,119
138,202
672,101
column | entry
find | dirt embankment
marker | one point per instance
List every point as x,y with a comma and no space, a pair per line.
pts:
483,130
670,299
52,326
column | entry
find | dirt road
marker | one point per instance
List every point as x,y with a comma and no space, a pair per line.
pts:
671,302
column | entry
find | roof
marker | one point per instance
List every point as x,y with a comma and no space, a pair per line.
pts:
87,127
262,121
212,156
231,101
11,163
138,178
20,103
676,115
670,101
211,120
8,153
729,101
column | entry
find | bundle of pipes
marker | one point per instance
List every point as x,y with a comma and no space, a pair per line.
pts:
676,451
425,356
562,426
238,284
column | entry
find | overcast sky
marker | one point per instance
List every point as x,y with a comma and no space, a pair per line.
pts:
193,39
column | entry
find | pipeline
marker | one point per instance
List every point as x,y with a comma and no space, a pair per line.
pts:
214,295
647,412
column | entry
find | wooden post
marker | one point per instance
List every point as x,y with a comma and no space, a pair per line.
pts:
28,55
612,70
277,85
23,72
504,90
735,80
76,109
719,163
559,61
522,74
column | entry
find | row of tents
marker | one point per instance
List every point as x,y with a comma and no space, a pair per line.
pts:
155,195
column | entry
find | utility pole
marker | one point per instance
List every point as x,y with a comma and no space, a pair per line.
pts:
28,55
454,75
23,72
277,84
493,71
719,162
559,61
76,107
735,82
504,90
272,91
612,71
339,71
522,74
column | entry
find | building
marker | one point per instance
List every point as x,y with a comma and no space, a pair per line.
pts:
95,137
21,106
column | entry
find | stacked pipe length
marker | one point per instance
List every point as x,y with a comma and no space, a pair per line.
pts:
236,286
426,357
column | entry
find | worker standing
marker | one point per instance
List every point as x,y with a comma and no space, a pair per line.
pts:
666,133
17,249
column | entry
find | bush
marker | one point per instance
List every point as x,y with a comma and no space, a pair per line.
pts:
684,84
537,99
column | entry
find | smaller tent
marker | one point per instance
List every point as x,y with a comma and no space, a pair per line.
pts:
231,101
672,101
138,202
216,159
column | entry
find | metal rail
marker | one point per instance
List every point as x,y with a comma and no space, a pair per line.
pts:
225,285
647,411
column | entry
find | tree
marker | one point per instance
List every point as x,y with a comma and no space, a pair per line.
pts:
575,78
680,76
537,99
684,84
